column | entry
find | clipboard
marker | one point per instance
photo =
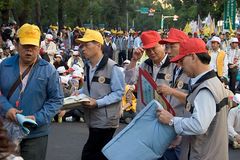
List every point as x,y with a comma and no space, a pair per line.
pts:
148,91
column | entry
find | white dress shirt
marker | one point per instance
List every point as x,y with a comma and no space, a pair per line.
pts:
157,67
213,62
202,116
232,55
234,122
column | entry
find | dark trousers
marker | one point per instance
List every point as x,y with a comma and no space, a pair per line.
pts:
130,52
121,57
97,139
232,72
34,148
171,154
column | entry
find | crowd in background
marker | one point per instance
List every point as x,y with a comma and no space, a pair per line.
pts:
61,50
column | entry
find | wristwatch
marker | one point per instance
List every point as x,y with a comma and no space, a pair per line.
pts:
171,123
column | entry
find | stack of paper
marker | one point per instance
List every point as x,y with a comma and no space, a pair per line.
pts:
74,102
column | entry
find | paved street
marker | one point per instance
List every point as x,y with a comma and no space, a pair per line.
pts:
66,141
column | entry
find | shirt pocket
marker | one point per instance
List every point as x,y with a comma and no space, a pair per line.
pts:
41,84
113,112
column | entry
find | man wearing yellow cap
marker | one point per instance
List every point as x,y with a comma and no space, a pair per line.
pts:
30,86
104,83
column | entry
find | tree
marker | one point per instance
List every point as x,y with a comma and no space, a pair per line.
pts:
111,13
60,15
38,12
4,7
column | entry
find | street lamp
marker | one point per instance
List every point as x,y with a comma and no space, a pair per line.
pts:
175,18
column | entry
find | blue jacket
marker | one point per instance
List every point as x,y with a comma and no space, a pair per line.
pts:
42,96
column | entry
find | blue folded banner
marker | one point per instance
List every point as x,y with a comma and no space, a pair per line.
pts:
26,123
145,138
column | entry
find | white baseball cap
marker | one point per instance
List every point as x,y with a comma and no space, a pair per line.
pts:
49,37
12,47
236,98
77,74
76,67
126,61
61,69
76,48
216,39
75,53
58,55
233,40
64,79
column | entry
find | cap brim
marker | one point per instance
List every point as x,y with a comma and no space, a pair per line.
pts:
80,40
29,41
177,58
149,45
215,41
165,41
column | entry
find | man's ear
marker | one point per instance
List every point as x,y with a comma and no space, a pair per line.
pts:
99,45
194,57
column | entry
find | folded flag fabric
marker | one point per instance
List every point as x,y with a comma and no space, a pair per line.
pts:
26,123
144,138
15,132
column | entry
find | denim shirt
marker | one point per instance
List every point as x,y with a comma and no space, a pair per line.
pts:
42,97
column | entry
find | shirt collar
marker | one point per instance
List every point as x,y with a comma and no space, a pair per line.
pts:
194,80
161,63
88,62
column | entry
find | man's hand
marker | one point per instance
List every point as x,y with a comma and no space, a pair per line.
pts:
137,54
11,114
75,93
232,65
91,104
164,116
165,90
31,117
176,142
62,113
237,137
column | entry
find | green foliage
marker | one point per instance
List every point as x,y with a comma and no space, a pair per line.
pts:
112,13
5,4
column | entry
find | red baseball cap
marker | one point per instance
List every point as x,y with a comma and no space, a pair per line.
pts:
190,46
174,36
150,38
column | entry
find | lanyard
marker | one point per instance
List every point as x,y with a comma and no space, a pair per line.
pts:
175,79
21,87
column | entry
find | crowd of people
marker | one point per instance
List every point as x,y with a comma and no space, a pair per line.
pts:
199,77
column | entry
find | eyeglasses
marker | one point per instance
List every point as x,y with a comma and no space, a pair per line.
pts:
169,46
27,47
153,49
181,60
86,44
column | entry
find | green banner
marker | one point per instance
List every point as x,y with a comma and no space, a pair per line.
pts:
229,13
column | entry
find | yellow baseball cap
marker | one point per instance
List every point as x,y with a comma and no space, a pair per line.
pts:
29,35
91,35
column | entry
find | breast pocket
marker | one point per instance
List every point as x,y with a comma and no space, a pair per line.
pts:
113,112
40,84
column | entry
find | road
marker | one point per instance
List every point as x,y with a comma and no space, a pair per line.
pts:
66,141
